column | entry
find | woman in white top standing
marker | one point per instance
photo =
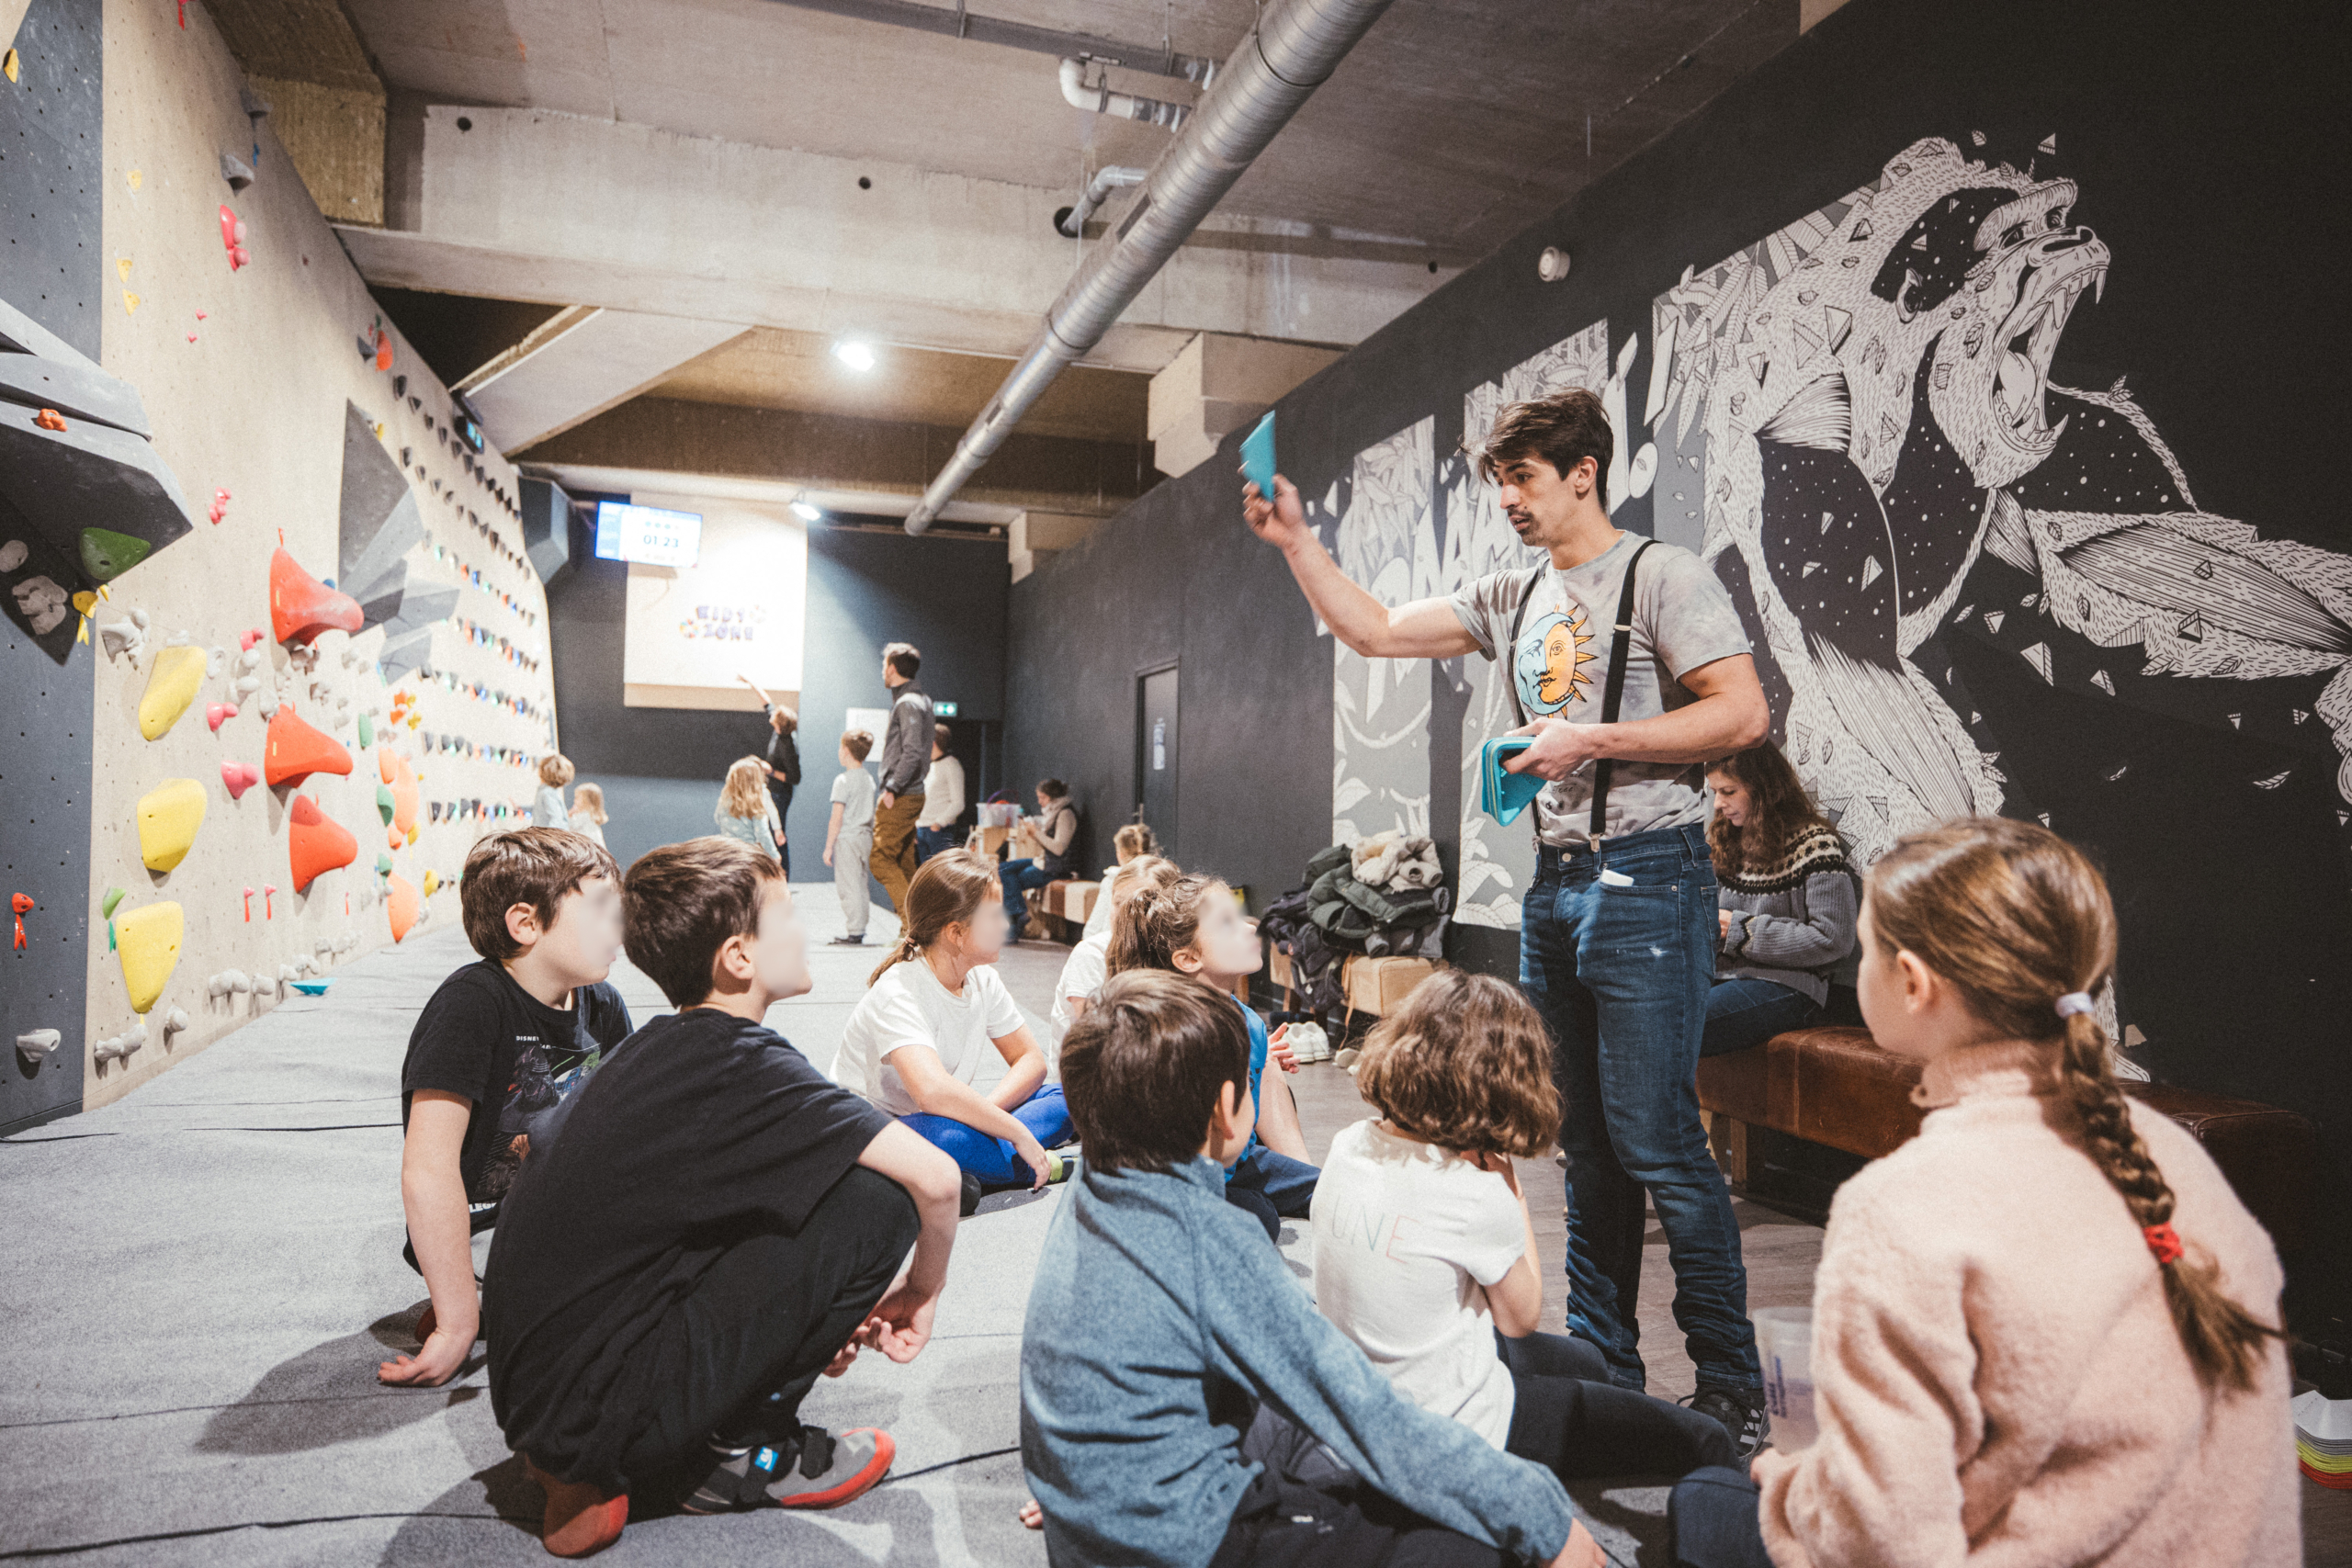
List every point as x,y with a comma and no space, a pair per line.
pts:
932,1010
1424,1255
1089,963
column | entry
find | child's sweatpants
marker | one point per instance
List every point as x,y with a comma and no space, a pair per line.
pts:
851,850
991,1159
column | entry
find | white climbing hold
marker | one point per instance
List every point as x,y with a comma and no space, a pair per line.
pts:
240,983
32,1047
216,658
12,556
174,1021
121,637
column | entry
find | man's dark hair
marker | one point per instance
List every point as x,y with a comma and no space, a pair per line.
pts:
529,866
1143,1069
682,902
939,733
903,656
1563,429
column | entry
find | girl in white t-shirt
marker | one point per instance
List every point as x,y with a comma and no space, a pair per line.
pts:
1130,843
1424,1255
1088,965
932,1012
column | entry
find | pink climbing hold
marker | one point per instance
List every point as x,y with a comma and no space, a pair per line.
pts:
268,890
245,640
217,715
239,777
249,905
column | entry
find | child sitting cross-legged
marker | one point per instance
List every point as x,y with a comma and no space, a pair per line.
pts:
933,1011
1192,926
2045,1329
1425,1255
1160,1333
719,1223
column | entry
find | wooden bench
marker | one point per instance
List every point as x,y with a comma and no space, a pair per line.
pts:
1836,1086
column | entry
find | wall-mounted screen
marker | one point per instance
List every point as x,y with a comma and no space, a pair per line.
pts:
651,536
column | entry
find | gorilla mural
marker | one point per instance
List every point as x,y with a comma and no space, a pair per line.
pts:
1851,411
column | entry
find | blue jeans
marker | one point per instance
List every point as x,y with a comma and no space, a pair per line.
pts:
1743,1012
1018,876
1272,1187
1621,974
930,842
991,1159
1713,1512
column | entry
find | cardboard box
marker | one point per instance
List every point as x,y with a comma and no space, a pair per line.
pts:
1379,986
1078,900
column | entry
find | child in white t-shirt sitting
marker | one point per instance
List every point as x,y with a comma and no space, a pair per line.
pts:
1089,963
1424,1255
932,1012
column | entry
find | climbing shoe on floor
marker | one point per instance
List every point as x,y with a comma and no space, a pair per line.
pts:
581,1520
970,1202
815,1469
1059,1167
1741,1411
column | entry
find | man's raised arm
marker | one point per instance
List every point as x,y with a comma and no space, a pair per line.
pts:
1426,628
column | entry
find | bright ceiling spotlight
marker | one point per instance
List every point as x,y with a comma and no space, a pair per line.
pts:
855,354
806,509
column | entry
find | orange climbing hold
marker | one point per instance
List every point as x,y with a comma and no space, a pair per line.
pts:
296,751
402,778
315,842
400,901
300,606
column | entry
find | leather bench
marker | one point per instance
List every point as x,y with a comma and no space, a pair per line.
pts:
1835,1087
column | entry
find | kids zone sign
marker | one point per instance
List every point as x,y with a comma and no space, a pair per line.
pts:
692,630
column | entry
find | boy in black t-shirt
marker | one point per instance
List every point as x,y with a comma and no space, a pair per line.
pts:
495,1058
720,1223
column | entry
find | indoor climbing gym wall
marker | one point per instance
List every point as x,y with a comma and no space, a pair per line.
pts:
317,652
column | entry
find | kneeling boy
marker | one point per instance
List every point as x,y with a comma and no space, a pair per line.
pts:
719,1224
1158,1322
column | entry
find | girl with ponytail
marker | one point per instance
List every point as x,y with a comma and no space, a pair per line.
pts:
2044,1330
933,1011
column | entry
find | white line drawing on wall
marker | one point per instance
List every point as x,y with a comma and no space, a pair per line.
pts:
1851,409
1380,707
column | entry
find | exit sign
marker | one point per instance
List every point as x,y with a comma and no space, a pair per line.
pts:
945,710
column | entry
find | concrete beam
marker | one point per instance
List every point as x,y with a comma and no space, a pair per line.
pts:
533,205
579,364
1037,536
1215,387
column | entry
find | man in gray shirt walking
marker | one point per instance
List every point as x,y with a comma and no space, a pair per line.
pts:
906,756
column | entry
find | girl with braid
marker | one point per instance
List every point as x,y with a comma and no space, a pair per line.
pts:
2045,1329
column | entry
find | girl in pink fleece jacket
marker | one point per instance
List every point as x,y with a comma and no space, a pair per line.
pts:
2042,1330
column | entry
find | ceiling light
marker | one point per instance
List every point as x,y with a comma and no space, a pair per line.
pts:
855,354
805,509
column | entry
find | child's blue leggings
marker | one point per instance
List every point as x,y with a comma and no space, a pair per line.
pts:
990,1159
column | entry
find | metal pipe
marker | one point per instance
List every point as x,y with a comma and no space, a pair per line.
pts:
1295,47
957,22
1107,180
1127,105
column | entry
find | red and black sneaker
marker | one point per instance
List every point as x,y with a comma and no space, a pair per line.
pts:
821,1470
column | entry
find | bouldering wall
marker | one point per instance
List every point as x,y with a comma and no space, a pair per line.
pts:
306,710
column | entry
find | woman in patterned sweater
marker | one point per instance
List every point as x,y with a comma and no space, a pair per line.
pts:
1787,904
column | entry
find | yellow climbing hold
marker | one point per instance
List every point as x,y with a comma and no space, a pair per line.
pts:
129,301
9,66
169,816
122,268
148,941
133,178
171,683
432,883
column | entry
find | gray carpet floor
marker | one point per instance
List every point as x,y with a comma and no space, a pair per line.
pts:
200,1279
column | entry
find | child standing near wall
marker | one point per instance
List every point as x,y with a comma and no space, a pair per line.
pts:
719,1226
1156,1326
1425,1253
745,813
495,1059
849,836
548,809
2043,1328
1193,927
1089,963
588,818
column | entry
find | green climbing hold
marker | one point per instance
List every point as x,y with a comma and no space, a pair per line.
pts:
368,734
107,555
110,936
114,897
384,806
383,865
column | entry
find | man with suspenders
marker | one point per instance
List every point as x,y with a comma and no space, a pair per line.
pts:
1629,668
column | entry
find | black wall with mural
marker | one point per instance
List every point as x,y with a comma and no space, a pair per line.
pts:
52,137
661,767
2212,797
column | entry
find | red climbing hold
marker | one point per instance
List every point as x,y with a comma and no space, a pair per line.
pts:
300,606
23,904
296,751
315,842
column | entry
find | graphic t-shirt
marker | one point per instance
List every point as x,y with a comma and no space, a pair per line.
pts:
1408,1237
854,791
708,1130
1682,618
520,1061
908,1007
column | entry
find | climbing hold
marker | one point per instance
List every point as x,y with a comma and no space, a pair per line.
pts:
268,892
300,606
174,1022
236,171
384,803
412,834
393,838
22,903
400,901
315,842
119,1047
12,554
383,866
106,906
245,640
169,816
32,1047
50,419
150,950
220,508
296,751
233,239
9,68
127,636
400,777
107,555
249,905
217,714
432,883
238,777
172,682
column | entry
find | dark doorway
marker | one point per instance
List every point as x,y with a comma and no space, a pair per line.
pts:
1156,768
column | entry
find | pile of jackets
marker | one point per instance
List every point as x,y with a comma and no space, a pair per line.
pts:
1383,897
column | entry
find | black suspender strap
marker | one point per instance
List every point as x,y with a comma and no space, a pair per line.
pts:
1620,649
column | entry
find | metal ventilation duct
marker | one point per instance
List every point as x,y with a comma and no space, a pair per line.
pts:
1295,46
